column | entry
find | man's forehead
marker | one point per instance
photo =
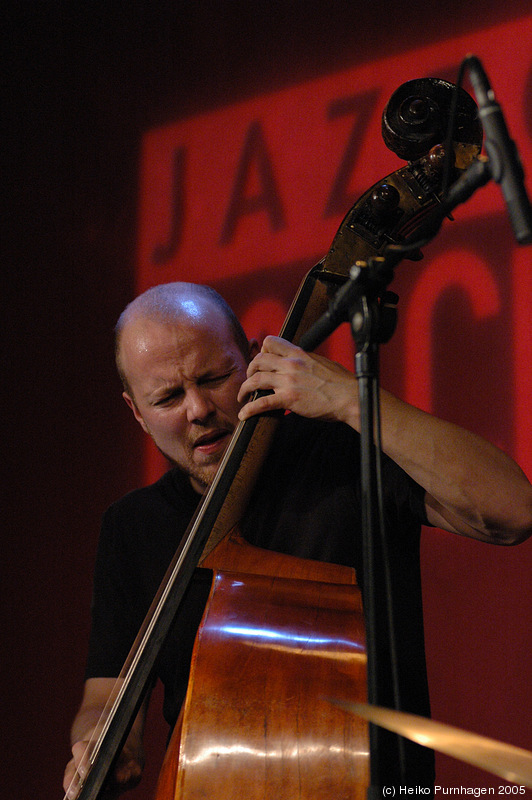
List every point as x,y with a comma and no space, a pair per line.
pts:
146,340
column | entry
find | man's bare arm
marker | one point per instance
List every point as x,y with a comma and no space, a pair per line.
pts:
472,487
85,729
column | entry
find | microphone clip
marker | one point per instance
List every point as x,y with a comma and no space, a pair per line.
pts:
364,301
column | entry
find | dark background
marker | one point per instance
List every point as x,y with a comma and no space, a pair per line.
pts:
82,81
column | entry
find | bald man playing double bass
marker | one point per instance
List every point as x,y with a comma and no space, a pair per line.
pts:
188,372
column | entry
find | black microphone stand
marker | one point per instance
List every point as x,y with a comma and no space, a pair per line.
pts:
372,320
371,312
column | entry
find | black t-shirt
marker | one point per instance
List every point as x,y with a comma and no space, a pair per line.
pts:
307,503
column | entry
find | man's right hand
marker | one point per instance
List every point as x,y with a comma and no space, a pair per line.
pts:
85,729
127,773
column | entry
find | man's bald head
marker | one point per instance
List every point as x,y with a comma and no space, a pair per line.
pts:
174,302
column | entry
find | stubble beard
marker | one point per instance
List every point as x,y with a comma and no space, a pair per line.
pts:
200,475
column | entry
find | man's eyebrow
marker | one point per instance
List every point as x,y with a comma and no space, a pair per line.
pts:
218,372
227,365
164,389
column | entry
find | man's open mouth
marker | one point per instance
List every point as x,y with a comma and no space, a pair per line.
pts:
211,441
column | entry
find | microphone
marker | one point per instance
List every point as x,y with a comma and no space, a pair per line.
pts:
504,163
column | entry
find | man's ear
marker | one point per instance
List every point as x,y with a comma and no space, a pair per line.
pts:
133,406
254,349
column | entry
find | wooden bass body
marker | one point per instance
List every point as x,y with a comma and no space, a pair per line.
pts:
277,640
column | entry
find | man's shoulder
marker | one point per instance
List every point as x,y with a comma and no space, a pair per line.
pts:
168,495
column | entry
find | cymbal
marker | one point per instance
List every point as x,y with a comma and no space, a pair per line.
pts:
514,764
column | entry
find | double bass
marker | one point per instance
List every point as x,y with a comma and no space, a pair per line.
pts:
285,634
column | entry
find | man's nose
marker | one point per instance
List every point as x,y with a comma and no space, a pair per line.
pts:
199,404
